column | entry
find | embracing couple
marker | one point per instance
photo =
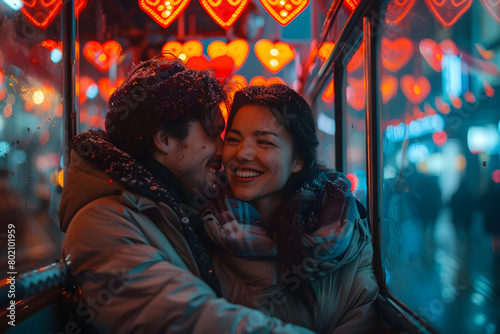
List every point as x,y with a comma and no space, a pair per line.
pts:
279,245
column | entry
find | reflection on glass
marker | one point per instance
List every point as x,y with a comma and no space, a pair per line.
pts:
324,109
439,124
355,126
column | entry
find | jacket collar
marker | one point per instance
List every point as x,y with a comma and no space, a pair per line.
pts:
93,146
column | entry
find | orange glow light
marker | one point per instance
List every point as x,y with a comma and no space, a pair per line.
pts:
448,12
60,177
274,56
329,93
164,13
183,51
416,90
261,81
284,11
102,56
389,87
325,50
224,12
237,50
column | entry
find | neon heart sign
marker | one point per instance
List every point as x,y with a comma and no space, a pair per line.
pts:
237,50
397,53
284,11
493,8
41,13
274,56
397,10
434,53
416,90
164,13
183,51
224,12
102,56
448,12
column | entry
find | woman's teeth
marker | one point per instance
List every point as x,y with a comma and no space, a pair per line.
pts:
240,173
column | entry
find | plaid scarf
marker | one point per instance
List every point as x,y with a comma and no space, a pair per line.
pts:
236,227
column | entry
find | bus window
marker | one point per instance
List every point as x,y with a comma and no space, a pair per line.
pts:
31,151
354,123
439,78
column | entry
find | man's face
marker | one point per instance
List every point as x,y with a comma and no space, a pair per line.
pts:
196,159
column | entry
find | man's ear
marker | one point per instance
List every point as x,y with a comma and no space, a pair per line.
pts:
161,142
298,163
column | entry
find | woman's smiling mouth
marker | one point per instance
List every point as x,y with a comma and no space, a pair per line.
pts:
247,173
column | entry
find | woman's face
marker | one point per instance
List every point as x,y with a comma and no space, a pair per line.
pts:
258,156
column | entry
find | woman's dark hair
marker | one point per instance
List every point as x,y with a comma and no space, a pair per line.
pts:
293,112
161,93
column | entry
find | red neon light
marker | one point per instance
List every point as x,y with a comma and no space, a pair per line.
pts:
448,12
41,13
222,66
102,56
352,4
397,10
284,11
274,56
163,12
237,50
224,12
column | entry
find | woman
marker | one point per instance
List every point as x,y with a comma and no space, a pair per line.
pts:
288,236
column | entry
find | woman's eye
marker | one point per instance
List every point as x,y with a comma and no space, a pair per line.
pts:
265,142
231,140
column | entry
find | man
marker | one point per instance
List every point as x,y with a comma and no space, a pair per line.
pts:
128,209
